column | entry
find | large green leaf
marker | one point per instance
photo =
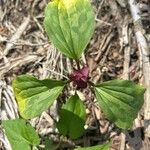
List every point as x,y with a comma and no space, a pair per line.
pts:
98,147
35,96
69,25
20,134
120,100
72,118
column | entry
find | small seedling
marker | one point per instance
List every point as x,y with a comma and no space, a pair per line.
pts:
70,26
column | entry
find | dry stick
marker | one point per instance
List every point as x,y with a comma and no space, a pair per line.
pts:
106,54
57,73
144,53
69,66
20,61
4,57
126,52
105,45
27,43
8,100
1,84
137,133
8,111
123,139
102,22
96,18
5,143
17,35
122,3
61,65
54,62
83,59
38,24
8,105
99,7
131,68
125,46
3,139
126,76
14,103
47,63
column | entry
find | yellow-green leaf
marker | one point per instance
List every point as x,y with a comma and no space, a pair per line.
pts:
69,25
35,96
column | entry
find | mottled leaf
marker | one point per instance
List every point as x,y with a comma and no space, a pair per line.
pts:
35,96
120,100
72,118
69,25
20,134
98,147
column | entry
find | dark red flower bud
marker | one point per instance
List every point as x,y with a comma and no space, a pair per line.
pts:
80,77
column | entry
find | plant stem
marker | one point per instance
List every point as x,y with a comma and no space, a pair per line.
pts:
91,83
78,64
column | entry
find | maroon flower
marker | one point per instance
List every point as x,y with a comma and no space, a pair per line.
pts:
80,77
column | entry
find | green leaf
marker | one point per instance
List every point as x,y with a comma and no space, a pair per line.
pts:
35,96
120,100
98,147
72,118
69,25
49,145
20,134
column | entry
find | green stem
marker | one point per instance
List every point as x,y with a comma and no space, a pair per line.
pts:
78,64
91,83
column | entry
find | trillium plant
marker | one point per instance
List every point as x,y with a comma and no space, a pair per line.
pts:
70,26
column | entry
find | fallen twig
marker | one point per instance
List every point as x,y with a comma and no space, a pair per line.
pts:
17,62
144,54
17,35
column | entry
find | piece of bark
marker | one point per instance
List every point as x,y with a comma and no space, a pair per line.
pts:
144,55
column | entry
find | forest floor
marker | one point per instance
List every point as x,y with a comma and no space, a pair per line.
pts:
113,53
